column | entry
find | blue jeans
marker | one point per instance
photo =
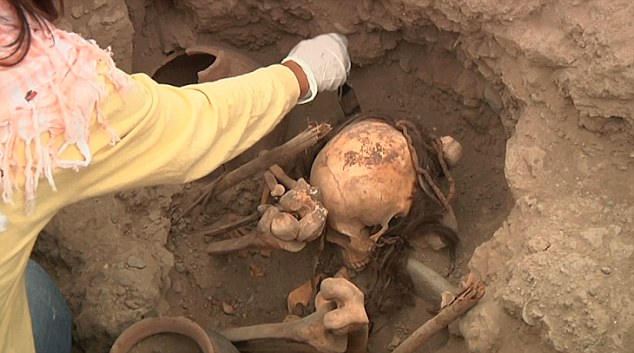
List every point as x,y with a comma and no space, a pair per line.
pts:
50,315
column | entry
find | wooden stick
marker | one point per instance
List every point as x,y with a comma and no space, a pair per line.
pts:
209,188
217,230
463,302
279,154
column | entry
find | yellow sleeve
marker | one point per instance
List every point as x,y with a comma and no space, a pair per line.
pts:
174,135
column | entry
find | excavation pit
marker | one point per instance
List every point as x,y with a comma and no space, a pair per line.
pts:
546,202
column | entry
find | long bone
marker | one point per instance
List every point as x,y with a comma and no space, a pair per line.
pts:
262,237
278,227
338,321
427,283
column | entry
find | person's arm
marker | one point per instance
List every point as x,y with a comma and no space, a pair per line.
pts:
174,135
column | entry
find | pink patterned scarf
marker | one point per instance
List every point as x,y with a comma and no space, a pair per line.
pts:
55,91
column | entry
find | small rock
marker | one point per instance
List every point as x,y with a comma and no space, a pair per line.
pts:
119,290
493,98
134,303
179,267
405,63
435,241
471,102
136,262
228,308
616,230
154,215
538,244
255,270
99,3
112,17
251,299
606,270
76,11
530,201
540,208
177,287
536,98
620,250
395,342
594,235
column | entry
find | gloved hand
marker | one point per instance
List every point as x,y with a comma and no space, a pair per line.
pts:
325,61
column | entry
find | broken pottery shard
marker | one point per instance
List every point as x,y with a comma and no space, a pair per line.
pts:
299,299
135,262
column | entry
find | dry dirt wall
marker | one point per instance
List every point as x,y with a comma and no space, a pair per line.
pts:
111,262
107,22
532,48
560,75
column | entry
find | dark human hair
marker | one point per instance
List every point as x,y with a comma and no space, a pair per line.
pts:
41,11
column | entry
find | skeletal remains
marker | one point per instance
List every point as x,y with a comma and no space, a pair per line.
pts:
335,326
366,176
297,218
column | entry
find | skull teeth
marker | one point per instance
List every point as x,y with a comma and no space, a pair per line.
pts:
360,264
356,264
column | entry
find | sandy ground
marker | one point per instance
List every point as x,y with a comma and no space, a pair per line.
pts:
540,95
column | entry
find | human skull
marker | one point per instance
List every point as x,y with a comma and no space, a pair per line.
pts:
366,177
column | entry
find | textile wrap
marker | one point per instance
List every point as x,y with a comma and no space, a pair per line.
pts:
47,104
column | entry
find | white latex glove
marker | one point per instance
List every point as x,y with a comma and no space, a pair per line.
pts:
325,61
